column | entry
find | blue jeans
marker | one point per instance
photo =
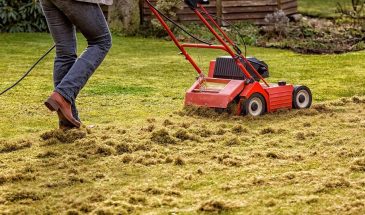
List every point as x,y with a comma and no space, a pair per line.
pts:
70,72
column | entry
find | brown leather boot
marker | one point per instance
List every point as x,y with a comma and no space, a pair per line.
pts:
65,125
56,102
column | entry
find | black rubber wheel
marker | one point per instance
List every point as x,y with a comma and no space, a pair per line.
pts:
254,106
302,97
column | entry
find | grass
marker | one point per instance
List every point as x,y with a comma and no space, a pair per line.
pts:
320,8
143,153
144,78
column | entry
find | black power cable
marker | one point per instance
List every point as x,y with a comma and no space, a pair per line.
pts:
231,25
27,73
237,31
177,25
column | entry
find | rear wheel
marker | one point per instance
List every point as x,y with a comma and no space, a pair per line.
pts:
302,97
255,105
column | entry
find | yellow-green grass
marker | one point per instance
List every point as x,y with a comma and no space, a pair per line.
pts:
295,162
142,153
143,78
321,8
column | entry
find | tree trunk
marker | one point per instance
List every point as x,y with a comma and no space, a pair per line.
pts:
124,16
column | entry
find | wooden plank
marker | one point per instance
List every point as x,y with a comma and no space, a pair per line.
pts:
244,16
235,10
291,11
249,9
290,5
219,11
239,3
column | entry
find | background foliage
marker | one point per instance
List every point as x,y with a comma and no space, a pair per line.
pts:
21,16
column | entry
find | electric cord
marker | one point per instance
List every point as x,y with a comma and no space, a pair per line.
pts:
28,72
178,26
231,25
237,31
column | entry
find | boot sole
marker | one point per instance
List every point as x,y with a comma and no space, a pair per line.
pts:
54,106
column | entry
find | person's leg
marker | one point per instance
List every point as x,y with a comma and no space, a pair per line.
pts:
64,36
90,20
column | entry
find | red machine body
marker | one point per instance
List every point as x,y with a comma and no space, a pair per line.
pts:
254,96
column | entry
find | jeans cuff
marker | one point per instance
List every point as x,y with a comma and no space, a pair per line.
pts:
65,95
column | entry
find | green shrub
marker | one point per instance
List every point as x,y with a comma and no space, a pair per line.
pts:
21,16
167,7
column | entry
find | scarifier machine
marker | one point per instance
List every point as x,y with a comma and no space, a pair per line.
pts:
234,79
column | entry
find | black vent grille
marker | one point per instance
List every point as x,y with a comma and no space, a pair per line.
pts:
226,68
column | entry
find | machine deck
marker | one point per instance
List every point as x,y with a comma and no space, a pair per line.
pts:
213,92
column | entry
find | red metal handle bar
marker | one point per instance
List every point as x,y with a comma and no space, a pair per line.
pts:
216,25
203,46
173,37
220,39
231,42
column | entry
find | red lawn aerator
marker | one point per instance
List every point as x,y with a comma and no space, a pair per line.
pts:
235,78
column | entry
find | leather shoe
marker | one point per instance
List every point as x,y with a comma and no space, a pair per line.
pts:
65,125
56,102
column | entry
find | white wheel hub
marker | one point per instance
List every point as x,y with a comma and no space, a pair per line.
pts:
302,99
255,107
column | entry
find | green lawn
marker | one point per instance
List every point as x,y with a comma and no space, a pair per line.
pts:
142,153
320,8
147,77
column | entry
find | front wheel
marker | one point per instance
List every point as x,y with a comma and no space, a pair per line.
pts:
302,97
255,105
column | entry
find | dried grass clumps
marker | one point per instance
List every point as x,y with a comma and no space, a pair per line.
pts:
267,131
154,191
23,195
48,154
15,177
275,155
6,146
199,111
258,181
146,159
307,125
228,160
149,128
123,148
104,150
61,136
358,165
357,100
300,136
167,123
220,132
322,108
232,141
185,125
158,191
137,199
334,183
307,112
304,136
203,132
200,171
127,158
217,206
183,134
238,129
72,212
151,120
162,136
179,161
